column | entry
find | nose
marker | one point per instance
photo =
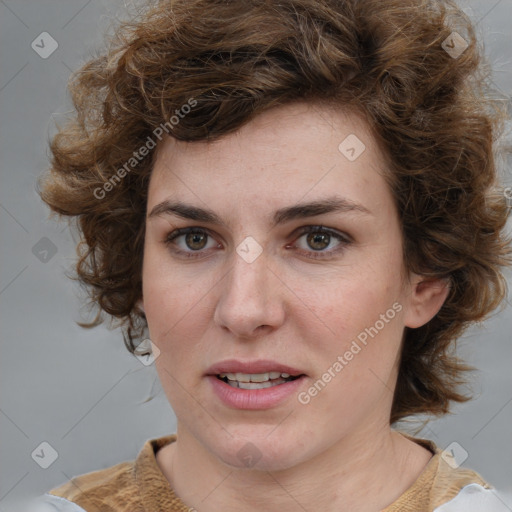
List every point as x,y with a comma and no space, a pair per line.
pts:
250,302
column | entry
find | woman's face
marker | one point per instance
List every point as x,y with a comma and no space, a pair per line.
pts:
250,292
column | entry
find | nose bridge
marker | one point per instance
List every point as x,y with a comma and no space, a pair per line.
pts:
250,266
247,283
249,297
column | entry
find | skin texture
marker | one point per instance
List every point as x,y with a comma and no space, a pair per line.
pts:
337,452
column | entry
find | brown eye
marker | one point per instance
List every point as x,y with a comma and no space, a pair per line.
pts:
191,242
196,240
318,241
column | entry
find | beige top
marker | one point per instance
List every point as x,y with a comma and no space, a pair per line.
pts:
140,485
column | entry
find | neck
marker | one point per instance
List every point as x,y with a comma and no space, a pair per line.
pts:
361,472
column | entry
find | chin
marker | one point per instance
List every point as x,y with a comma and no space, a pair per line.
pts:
259,451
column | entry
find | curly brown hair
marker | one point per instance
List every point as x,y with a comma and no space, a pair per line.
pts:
387,59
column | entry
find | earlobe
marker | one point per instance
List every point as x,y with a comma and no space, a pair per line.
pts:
428,296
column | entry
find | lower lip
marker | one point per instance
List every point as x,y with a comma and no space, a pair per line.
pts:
254,399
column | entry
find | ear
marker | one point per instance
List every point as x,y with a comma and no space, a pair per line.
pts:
427,298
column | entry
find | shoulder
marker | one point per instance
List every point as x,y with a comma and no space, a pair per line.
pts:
454,486
126,487
98,491
51,503
444,486
475,498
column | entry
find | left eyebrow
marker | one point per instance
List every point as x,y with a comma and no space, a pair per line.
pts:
302,210
333,204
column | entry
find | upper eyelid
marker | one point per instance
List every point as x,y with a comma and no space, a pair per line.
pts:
331,231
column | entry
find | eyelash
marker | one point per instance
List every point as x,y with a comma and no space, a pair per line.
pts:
344,240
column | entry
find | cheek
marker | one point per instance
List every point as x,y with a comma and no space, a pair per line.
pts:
355,364
347,303
354,334
167,289
178,307
167,297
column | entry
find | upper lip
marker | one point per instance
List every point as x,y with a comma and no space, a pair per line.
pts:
251,367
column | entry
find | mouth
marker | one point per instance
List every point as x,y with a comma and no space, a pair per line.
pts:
254,385
256,380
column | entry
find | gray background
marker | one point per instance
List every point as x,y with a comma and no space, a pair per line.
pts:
80,390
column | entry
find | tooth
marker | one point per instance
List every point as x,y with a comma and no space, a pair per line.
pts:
259,377
256,378
254,385
243,377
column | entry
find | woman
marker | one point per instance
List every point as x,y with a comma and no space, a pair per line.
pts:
298,200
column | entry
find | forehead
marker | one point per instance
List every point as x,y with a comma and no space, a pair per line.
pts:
290,153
